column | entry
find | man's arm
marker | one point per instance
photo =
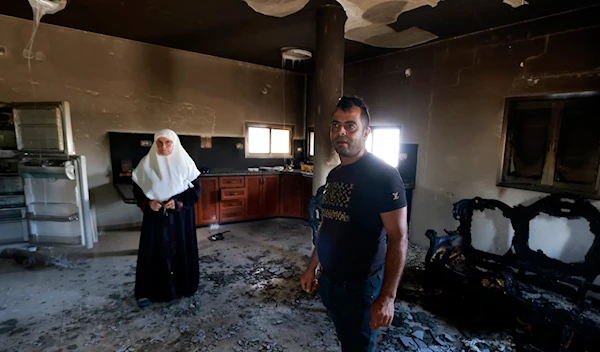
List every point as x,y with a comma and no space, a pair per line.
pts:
395,258
395,224
314,259
307,279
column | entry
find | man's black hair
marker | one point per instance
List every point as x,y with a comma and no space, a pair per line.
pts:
346,103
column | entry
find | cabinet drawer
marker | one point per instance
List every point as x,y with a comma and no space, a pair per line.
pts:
232,204
233,193
231,181
232,214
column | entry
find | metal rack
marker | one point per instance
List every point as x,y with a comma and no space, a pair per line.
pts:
43,183
13,222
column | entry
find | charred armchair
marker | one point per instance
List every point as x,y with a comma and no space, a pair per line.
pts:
547,297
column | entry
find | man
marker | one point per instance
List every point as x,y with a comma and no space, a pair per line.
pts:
364,206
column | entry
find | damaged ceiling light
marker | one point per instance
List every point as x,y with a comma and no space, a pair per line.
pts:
294,55
41,8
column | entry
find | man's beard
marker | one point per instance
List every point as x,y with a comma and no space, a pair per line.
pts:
347,150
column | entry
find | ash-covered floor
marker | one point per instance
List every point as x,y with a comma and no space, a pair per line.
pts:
249,300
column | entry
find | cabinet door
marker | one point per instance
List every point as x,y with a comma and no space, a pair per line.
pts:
254,195
291,195
270,195
207,208
306,195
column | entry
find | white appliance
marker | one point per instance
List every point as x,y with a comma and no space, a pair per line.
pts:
55,202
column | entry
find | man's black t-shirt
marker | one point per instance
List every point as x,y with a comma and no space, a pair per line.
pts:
352,239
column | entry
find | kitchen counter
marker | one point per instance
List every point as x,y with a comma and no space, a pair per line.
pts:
233,172
125,190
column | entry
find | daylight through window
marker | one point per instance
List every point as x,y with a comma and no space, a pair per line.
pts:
268,141
384,142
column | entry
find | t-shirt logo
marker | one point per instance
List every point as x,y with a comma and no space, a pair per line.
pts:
396,195
336,200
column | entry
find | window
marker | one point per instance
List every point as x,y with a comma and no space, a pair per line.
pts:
553,144
384,142
265,141
311,143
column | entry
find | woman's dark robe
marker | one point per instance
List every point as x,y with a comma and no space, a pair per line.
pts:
167,265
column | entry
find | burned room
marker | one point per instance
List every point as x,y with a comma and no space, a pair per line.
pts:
300,175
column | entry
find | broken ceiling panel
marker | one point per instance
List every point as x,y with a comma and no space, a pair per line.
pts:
385,37
277,8
515,3
385,11
367,19
395,40
368,22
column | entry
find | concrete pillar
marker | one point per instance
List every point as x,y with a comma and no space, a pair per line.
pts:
328,83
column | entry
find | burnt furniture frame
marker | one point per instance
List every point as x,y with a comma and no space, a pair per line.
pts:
521,278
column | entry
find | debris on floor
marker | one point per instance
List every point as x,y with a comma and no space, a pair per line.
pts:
217,236
30,259
249,299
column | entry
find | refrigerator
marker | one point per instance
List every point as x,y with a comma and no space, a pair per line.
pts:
44,195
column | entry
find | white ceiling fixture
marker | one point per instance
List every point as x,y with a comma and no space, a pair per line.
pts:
295,54
277,8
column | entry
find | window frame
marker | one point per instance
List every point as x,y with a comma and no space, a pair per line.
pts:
308,132
547,183
386,127
270,126
372,127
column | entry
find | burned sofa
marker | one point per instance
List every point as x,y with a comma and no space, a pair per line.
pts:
551,302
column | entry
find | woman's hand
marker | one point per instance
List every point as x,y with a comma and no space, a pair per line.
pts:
170,204
155,205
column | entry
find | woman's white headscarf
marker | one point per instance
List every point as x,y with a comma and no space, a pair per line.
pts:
162,177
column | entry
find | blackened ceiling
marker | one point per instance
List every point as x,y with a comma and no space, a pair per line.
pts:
231,29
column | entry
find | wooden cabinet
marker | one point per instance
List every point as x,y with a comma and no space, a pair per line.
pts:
263,196
306,195
253,200
233,210
232,206
295,194
233,193
238,198
291,195
207,208
231,182
271,195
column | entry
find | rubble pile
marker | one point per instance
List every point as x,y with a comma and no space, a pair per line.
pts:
416,330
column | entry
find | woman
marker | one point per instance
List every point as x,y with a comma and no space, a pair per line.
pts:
166,188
